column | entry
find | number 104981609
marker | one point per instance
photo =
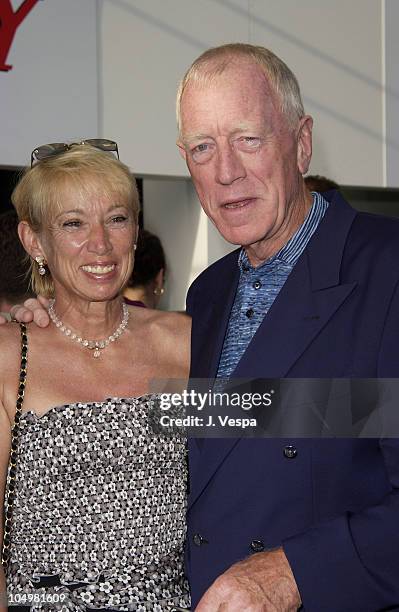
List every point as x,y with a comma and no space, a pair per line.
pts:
35,598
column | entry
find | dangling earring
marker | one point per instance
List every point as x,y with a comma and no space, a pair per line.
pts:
41,263
134,247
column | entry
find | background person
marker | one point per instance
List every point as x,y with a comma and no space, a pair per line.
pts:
316,182
98,505
14,278
146,284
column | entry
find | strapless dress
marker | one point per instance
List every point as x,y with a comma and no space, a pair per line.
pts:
99,512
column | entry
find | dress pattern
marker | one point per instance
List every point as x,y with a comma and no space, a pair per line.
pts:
100,507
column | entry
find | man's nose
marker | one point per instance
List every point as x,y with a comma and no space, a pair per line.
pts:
99,240
229,165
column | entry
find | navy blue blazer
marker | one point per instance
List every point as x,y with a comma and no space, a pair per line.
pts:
333,504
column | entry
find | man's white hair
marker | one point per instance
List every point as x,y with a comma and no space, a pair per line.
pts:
216,60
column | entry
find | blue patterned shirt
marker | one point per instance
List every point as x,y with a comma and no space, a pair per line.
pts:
258,288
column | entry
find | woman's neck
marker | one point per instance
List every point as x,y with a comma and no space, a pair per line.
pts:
92,320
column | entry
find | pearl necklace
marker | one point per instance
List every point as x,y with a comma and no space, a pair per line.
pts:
94,345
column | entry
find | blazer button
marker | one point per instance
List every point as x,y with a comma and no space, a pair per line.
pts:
290,452
257,546
198,539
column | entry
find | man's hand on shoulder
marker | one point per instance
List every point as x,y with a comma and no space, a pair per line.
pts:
261,583
32,310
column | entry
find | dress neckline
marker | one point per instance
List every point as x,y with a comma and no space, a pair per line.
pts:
93,403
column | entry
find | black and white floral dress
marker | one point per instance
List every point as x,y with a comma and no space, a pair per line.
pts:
99,511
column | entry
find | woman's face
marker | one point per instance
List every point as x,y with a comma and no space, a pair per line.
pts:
89,246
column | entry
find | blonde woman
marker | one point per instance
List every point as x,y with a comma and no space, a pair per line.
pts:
96,503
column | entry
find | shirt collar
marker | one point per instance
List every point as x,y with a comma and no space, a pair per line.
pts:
292,250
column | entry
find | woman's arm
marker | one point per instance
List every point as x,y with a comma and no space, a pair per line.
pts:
5,444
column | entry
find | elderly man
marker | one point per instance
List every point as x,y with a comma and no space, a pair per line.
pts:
276,524
312,293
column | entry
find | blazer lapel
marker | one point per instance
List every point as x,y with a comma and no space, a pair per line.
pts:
207,460
208,335
296,317
308,299
207,341
306,302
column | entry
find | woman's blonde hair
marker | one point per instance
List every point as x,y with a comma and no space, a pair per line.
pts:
85,171
216,60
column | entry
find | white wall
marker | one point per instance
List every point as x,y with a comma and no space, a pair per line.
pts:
335,48
50,94
67,84
145,49
172,213
392,92
341,52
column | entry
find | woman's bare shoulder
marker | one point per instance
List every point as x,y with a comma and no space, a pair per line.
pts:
10,358
160,322
10,343
176,324
166,332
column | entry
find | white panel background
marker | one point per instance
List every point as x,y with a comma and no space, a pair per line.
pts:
172,212
146,48
58,90
51,93
392,91
335,48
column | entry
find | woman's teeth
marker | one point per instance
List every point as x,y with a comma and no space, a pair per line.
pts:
98,269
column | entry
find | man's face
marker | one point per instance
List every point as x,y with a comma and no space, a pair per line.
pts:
245,160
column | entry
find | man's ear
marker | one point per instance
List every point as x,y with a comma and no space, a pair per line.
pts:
304,143
182,150
30,240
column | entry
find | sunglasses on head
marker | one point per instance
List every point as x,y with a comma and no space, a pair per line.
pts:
56,148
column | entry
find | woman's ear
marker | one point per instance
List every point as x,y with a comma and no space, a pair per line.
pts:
30,240
160,280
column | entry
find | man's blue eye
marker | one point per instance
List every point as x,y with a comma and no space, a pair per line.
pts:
202,152
201,148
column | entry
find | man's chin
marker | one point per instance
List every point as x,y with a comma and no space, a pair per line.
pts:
239,236
229,234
